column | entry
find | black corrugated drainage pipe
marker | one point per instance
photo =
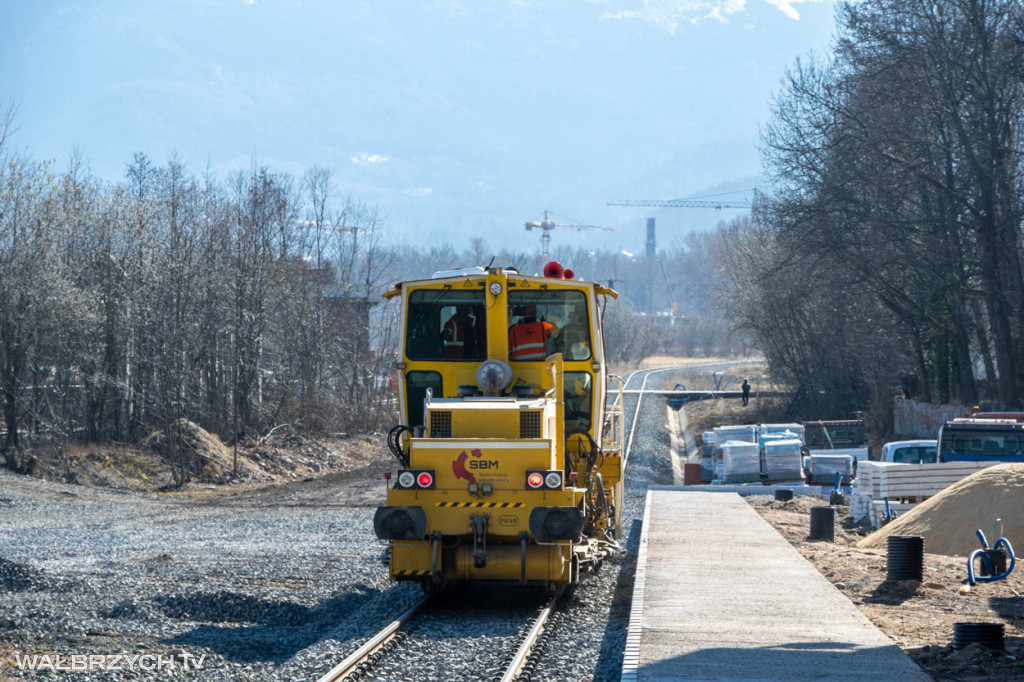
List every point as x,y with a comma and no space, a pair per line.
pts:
988,634
906,557
823,523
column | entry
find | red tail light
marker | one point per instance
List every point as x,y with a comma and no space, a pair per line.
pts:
415,478
544,480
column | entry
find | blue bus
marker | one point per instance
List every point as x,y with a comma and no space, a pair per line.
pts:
981,440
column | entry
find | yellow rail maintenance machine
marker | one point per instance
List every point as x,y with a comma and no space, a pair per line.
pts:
511,458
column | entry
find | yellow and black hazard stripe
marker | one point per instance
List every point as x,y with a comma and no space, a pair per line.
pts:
412,574
481,505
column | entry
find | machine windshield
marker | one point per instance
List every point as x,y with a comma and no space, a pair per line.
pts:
446,324
548,321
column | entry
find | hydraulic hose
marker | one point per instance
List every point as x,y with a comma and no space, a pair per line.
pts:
986,560
395,444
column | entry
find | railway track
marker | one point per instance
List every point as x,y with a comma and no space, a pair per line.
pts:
359,665
446,643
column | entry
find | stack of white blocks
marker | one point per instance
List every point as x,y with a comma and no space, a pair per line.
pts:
877,481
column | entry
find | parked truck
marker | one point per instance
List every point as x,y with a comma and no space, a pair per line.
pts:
909,452
981,440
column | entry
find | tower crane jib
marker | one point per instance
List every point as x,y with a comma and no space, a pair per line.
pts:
546,225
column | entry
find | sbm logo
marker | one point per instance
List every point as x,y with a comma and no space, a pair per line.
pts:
482,464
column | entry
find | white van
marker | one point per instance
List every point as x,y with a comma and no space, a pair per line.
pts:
910,452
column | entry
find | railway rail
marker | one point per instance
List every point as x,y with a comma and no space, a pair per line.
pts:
360,662
366,655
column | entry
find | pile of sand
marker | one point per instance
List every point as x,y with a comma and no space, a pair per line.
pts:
948,520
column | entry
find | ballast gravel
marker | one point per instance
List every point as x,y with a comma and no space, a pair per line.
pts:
588,641
270,588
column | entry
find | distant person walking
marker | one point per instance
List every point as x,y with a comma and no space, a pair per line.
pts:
746,391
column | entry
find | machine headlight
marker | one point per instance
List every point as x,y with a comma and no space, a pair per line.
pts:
400,523
556,523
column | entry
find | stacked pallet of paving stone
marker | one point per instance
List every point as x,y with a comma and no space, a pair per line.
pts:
767,432
726,435
707,456
741,462
822,469
746,433
782,459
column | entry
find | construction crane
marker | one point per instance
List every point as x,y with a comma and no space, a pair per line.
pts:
547,225
707,201
327,226
698,202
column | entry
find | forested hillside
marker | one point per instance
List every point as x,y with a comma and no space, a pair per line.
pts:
887,253
884,258
247,302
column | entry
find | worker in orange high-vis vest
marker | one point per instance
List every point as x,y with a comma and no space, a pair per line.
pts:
528,338
460,335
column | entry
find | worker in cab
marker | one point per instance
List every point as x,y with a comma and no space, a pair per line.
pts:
460,335
530,338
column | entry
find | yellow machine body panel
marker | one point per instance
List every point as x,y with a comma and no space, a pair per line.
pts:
502,463
414,561
449,510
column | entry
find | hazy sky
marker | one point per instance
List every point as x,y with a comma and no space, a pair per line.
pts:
457,118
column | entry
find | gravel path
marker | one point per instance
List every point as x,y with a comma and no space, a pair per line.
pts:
277,584
255,588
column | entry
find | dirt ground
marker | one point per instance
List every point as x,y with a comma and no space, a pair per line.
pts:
278,458
918,617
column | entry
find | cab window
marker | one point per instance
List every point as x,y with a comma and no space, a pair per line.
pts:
562,312
915,455
416,385
986,444
578,392
446,324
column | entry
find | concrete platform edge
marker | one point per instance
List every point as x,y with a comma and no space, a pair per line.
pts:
743,490
631,654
